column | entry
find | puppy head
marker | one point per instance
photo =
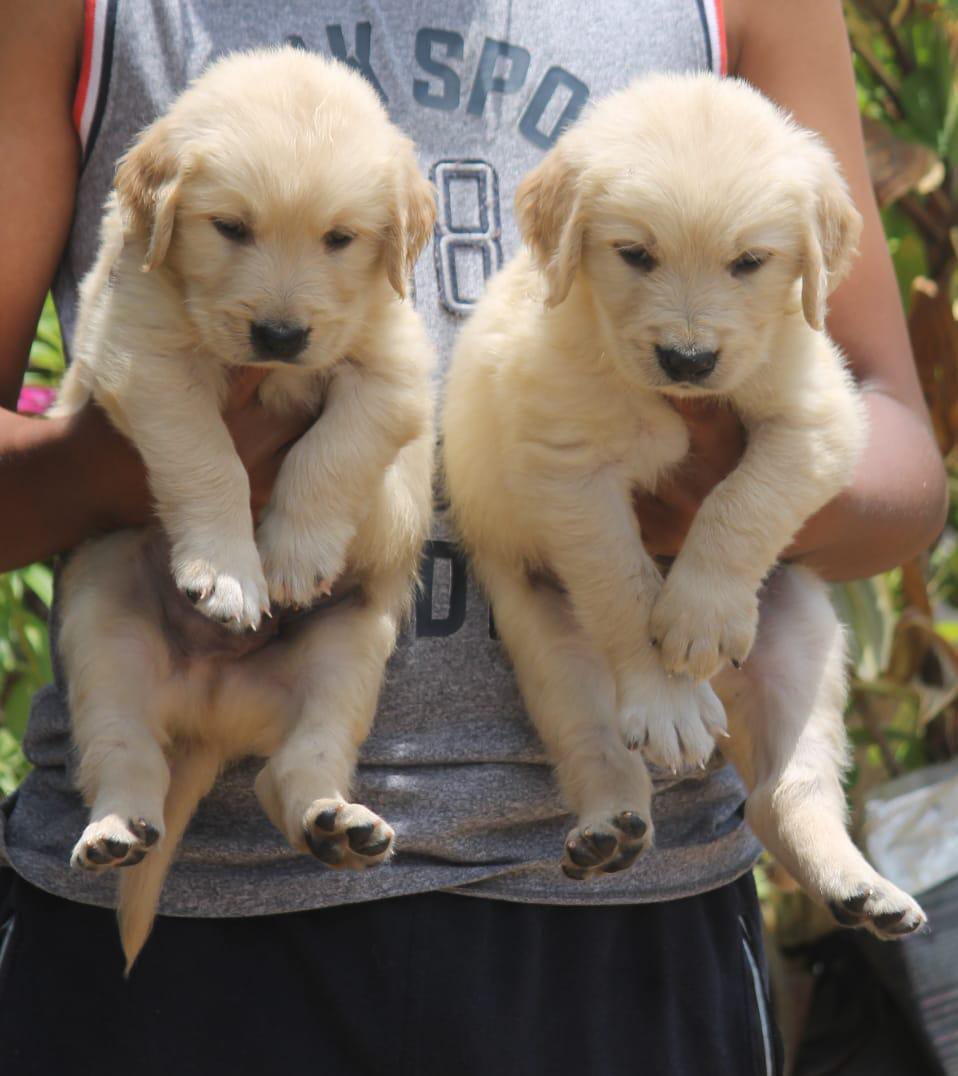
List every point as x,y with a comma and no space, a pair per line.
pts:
690,210
282,203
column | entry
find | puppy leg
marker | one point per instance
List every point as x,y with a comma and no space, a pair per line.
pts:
331,475
595,548
569,692
201,489
335,670
123,771
788,741
707,612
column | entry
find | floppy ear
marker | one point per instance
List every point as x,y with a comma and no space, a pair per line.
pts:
831,239
549,212
412,218
148,180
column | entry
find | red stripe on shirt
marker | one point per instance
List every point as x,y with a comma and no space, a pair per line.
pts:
83,84
723,50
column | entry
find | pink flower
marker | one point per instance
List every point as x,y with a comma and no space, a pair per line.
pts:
34,399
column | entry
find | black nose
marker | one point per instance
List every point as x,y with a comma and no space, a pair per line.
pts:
277,339
686,365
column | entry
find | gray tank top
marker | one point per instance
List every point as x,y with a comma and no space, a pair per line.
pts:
484,87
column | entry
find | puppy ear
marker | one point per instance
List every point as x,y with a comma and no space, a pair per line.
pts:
549,213
148,179
412,218
831,239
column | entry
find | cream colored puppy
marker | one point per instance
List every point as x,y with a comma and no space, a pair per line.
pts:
271,217
682,239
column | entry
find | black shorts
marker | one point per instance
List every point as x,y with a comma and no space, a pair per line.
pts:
414,986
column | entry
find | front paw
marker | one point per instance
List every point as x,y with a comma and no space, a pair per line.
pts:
228,588
301,566
700,621
672,719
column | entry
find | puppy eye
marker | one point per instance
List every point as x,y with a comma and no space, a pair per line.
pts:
335,240
234,230
747,263
638,258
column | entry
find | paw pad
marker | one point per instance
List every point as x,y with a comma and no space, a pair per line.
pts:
111,842
889,914
607,848
346,835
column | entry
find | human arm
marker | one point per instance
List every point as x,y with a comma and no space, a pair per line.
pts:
895,506
63,480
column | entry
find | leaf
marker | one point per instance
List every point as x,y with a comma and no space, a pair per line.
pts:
39,578
13,765
934,341
924,111
16,708
865,606
897,166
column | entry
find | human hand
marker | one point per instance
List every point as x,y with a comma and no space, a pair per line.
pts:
262,439
716,444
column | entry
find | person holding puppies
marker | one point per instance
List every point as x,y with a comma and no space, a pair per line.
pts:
658,966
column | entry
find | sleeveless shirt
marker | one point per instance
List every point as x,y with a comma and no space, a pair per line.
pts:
483,87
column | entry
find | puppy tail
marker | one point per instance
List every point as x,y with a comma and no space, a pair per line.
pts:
191,777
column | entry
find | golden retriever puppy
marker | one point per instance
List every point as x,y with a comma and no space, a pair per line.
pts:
271,217
682,239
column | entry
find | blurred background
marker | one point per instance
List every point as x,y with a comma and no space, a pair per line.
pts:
845,1002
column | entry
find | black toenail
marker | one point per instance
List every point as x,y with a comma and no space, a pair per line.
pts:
136,856
95,854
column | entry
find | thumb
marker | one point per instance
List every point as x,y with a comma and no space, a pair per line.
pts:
244,385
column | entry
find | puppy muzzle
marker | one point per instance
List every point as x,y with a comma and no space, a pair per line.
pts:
688,366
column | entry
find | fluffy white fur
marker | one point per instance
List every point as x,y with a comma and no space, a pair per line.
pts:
686,214
293,153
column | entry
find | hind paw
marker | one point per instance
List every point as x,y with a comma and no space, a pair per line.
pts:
113,842
605,847
346,835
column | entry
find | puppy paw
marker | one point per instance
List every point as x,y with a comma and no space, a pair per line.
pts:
672,719
346,835
878,906
301,566
699,622
114,842
606,846
232,591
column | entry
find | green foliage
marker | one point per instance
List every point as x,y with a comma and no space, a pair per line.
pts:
46,354
25,598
